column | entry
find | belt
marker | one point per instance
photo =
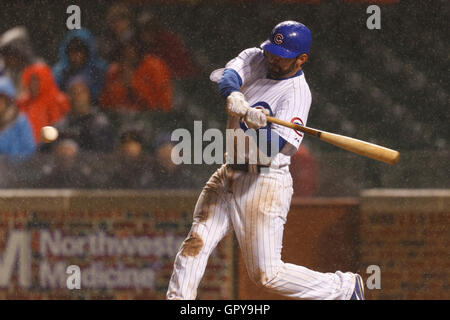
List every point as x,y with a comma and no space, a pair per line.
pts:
252,168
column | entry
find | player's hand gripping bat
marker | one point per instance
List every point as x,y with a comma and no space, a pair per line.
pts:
362,148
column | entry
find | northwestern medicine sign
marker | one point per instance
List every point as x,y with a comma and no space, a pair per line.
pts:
119,255
18,251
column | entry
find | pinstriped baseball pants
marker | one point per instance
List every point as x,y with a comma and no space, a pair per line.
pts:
255,206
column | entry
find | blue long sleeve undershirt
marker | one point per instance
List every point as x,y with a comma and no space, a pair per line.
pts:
230,81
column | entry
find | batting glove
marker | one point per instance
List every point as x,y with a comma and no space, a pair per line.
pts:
256,118
237,105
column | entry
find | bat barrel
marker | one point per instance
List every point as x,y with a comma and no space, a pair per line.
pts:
362,148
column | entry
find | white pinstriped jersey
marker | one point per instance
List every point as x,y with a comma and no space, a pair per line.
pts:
287,99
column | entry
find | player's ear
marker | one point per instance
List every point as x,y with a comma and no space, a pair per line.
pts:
301,59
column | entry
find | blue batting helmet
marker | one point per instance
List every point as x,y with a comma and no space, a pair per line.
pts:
288,39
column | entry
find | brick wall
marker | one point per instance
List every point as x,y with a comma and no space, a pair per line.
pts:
406,233
403,232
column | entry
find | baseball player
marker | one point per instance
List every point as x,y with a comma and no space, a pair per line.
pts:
251,198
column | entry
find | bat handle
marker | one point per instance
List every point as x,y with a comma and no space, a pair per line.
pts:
310,131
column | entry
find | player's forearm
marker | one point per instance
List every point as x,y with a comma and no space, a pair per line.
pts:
230,81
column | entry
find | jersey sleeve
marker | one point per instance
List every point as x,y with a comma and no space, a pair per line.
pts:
294,109
248,64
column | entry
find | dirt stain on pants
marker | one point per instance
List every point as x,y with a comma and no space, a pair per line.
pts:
192,245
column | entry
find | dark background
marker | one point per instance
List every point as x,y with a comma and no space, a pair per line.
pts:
387,86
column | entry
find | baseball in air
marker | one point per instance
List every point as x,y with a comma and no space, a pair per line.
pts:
49,134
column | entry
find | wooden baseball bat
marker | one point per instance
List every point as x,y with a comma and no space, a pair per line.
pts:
360,147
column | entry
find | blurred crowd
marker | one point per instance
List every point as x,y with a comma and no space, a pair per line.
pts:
117,89
109,95
96,95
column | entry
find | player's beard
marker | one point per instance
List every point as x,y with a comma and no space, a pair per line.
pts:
277,72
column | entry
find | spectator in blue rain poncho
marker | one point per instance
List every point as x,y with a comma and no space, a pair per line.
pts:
16,137
78,57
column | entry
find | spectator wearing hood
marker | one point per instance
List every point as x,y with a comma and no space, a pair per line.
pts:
17,54
137,83
78,57
42,101
16,137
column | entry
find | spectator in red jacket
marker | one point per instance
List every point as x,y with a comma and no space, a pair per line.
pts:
136,84
156,40
42,102
304,173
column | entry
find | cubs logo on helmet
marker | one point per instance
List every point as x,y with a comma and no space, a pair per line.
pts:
278,38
